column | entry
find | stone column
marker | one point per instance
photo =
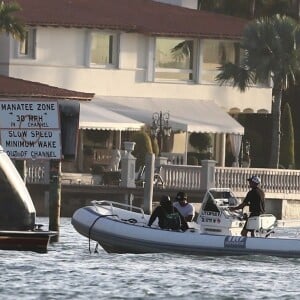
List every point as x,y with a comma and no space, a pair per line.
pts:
128,166
207,174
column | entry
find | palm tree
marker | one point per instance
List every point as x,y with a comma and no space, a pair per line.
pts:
270,51
287,153
252,9
9,23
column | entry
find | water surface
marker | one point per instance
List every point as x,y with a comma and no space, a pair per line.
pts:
70,271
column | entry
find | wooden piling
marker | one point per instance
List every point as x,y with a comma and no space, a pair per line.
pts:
55,198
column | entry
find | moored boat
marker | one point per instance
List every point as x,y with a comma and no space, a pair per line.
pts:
18,228
30,240
119,228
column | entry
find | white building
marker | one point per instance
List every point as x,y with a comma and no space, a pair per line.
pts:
122,49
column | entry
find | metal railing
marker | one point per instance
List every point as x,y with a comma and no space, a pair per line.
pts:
38,172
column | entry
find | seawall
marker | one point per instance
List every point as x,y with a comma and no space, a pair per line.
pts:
76,195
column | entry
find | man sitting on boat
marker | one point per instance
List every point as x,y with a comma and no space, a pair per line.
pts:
255,199
168,216
187,210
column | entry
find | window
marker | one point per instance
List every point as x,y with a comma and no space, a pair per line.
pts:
214,53
26,48
103,49
174,59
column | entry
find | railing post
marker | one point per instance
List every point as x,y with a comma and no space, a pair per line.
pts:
207,174
160,160
148,189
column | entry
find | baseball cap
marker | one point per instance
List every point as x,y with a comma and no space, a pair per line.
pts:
254,179
181,196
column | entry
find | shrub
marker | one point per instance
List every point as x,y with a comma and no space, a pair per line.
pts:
142,147
192,160
195,158
200,140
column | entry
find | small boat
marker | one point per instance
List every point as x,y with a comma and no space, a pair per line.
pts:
121,228
30,240
18,228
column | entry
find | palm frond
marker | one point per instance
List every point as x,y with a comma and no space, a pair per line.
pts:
182,50
9,23
271,47
235,75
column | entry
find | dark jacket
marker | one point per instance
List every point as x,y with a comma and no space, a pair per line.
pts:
161,213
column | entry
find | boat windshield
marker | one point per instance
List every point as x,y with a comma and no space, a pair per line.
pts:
216,194
217,200
210,205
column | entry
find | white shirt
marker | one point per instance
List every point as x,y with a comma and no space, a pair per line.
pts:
186,210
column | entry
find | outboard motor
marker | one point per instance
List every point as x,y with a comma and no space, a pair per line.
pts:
17,211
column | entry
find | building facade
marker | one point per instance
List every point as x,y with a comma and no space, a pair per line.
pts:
131,48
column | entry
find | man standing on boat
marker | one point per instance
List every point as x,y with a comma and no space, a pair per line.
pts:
255,199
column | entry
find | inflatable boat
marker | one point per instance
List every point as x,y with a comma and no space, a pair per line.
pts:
120,228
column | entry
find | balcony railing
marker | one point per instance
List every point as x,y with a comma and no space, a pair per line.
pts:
283,183
277,181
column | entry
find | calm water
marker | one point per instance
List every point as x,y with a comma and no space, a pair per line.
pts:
69,271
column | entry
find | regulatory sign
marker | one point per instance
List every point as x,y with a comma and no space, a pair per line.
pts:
30,129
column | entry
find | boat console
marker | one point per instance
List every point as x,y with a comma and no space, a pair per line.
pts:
216,218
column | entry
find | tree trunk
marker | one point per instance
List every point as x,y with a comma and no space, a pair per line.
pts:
276,120
252,9
199,2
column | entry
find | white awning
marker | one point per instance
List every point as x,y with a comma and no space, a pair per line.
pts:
186,115
94,116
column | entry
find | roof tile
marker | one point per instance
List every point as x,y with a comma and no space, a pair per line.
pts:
13,87
142,16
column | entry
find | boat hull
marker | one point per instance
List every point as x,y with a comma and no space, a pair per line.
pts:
36,241
121,236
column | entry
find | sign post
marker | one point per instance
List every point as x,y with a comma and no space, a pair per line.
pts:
31,130
54,197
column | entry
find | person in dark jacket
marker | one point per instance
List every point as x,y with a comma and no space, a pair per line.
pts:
255,199
165,212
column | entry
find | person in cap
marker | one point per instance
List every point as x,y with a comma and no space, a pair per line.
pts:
165,212
187,210
255,199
